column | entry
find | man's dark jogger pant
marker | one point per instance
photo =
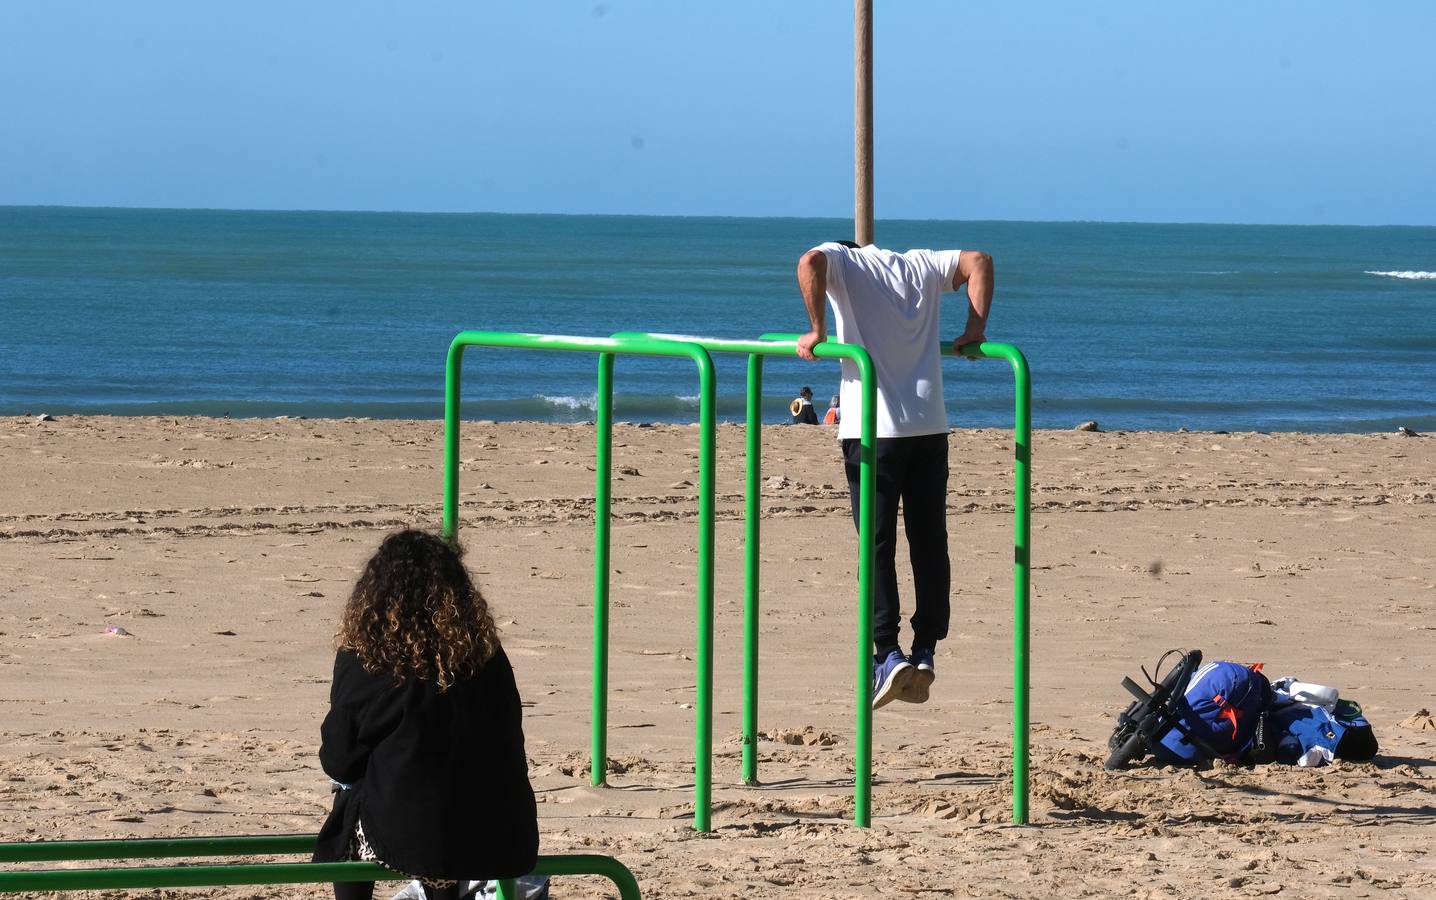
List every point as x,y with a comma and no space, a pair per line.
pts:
913,470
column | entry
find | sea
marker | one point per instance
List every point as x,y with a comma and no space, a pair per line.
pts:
350,314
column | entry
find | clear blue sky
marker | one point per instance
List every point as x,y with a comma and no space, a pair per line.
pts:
1288,112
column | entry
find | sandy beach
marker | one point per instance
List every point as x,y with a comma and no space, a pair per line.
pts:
224,549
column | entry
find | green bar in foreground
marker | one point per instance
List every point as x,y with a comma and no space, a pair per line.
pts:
142,877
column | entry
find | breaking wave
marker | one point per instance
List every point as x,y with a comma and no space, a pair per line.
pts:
1408,275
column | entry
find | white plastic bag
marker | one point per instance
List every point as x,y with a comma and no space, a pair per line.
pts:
1316,756
1289,690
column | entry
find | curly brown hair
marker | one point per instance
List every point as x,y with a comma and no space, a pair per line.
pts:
415,613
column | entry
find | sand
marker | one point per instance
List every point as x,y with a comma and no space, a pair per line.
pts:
225,549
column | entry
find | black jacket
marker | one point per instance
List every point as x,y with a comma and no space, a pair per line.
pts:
439,780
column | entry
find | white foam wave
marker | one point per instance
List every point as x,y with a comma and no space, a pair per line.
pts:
576,403
1408,275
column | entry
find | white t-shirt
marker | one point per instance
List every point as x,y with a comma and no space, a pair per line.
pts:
889,303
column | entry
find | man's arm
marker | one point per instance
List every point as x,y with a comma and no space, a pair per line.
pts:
813,283
975,269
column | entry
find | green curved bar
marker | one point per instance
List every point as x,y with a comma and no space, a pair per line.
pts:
591,864
786,345
1021,557
236,874
1021,587
707,419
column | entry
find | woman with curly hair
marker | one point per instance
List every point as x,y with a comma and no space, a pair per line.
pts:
424,738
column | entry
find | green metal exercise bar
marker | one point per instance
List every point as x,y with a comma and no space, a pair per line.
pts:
1021,557
607,348
786,346
1021,574
238,873
157,848
752,559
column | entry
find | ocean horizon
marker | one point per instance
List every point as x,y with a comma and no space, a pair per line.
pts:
713,216
259,313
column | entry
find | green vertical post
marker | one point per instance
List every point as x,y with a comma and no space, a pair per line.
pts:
867,489
602,541
707,458
1021,587
453,370
867,498
703,729
1021,561
752,526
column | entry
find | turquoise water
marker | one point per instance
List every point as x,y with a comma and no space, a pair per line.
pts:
1139,326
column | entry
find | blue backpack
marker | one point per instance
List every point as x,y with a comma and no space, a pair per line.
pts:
1343,732
1219,715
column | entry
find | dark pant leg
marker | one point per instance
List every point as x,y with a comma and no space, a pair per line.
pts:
887,613
924,505
441,893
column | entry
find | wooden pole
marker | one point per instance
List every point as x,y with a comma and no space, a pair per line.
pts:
863,121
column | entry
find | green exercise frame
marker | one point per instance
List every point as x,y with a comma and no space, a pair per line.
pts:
786,346
1021,553
698,349
140,877
607,349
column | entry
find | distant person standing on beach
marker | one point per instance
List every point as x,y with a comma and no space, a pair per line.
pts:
834,415
889,303
802,408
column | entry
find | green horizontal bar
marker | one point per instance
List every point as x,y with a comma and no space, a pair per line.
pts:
580,344
247,873
762,346
449,523
193,876
988,350
984,350
158,848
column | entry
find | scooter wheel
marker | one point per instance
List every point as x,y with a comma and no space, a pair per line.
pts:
1131,749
